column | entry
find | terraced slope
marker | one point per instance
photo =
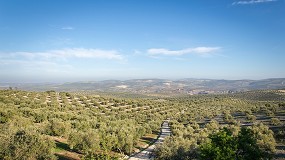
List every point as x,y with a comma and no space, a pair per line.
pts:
119,126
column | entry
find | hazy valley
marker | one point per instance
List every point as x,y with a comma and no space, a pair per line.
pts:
157,86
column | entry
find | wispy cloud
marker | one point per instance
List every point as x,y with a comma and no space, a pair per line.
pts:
69,53
251,2
197,50
67,28
55,64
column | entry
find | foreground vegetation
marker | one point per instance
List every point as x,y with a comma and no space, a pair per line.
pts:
51,125
237,126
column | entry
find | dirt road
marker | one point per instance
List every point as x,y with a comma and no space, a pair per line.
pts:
147,153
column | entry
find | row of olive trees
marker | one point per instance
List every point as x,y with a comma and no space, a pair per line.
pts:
194,136
24,144
87,129
216,142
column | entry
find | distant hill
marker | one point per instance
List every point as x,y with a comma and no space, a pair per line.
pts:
189,86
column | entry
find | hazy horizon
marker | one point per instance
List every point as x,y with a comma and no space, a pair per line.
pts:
101,80
92,40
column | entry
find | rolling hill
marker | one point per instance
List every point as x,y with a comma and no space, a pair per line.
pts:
183,86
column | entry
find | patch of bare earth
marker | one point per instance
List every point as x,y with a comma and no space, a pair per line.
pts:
65,153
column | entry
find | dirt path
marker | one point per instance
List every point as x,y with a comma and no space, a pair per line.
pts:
147,153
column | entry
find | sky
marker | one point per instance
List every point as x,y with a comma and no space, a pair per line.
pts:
92,40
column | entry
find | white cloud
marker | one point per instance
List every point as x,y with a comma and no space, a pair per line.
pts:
252,2
85,53
67,28
197,50
69,53
202,50
55,64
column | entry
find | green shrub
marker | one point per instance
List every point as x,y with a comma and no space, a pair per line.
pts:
245,146
26,145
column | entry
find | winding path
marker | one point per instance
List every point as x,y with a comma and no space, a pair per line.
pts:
147,153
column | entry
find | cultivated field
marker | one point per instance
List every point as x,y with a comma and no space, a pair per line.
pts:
88,125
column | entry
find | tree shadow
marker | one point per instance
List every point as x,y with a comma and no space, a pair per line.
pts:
148,139
280,154
62,146
156,132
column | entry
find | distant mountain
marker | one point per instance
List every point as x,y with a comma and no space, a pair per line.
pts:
189,86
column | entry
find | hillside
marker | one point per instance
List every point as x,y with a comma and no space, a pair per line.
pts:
141,86
63,124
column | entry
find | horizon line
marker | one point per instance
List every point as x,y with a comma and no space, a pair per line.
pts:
173,79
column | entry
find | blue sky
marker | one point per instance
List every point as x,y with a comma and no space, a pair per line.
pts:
89,40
